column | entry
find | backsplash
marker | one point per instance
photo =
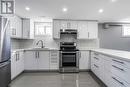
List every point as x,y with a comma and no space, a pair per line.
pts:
50,43
15,44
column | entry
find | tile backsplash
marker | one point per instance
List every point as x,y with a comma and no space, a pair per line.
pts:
51,43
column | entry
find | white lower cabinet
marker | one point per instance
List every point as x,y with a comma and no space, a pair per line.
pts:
112,71
30,62
17,63
43,60
84,61
54,60
37,60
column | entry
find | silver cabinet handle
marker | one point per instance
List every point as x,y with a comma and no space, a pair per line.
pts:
96,66
60,58
16,56
35,54
96,58
96,54
59,34
80,54
118,81
88,34
117,61
38,55
118,68
13,31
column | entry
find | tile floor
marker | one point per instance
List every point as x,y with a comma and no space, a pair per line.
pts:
83,79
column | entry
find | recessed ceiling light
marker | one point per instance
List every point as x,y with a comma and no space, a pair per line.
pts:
27,8
100,10
113,0
65,9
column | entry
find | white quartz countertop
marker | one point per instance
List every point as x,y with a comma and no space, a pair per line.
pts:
124,55
34,49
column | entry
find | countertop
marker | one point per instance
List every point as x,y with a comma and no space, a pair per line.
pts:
123,55
34,49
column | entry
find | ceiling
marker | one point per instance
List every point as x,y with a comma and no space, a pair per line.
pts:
119,10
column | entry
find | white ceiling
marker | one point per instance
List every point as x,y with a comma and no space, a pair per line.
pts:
77,9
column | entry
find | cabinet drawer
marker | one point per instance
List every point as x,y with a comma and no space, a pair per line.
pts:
118,82
121,71
121,63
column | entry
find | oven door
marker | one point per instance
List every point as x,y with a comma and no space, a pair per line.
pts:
68,59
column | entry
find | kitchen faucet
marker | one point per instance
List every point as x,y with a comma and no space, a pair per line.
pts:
41,43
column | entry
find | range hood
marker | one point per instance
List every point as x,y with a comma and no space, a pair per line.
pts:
68,31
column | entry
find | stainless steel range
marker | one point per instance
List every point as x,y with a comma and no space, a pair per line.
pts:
69,57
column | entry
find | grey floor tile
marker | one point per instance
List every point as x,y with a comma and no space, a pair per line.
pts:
83,79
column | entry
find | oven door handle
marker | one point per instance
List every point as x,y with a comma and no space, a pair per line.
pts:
68,52
60,63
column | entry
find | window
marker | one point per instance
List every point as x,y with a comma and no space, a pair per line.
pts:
43,28
126,31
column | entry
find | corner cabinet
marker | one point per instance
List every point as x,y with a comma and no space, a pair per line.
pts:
21,28
17,63
86,29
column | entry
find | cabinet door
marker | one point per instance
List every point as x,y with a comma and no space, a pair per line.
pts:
16,26
82,30
13,65
26,28
43,60
93,30
56,29
54,60
84,62
73,25
20,62
30,60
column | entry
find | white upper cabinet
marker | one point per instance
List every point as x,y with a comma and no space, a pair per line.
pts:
92,29
82,30
62,24
21,28
86,29
56,29
26,28
16,27
69,24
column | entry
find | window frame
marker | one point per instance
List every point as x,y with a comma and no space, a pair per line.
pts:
122,33
45,31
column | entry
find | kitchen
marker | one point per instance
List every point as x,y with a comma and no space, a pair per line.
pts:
65,44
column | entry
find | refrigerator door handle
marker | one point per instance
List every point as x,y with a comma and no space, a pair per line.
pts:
16,56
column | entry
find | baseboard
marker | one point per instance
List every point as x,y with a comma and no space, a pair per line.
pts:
17,76
97,79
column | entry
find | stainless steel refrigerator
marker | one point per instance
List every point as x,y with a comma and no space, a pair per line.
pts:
5,52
